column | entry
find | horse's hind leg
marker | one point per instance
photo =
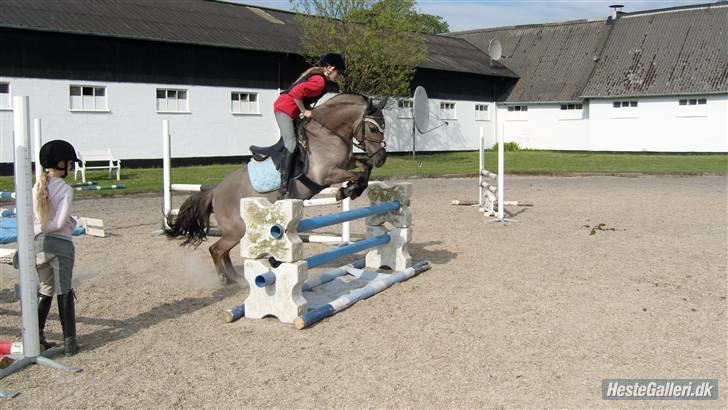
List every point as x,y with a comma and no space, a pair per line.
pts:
220,252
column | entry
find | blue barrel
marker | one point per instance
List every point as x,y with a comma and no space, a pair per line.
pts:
310,224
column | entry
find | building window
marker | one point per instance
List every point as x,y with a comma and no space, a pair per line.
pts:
170,100
244,103
565,107
481,112
624,104
693,101
5,96
513,108
88,98
447,110
692,107
405,106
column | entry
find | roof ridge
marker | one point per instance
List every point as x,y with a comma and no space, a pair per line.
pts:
532,25
688,7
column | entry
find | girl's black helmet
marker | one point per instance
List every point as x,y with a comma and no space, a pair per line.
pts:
52,152
335,60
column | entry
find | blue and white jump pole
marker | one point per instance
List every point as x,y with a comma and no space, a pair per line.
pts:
272,230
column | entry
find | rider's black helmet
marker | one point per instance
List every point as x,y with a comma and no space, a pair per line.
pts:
335,60
52,152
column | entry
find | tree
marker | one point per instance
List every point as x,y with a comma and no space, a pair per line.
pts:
380,41
429,24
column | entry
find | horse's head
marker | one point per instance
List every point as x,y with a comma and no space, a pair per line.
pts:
370,133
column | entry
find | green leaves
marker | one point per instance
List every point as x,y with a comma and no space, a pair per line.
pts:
381,41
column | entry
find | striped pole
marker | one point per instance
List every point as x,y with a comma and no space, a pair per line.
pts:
78,184
236,312
100,187
6,212
343,302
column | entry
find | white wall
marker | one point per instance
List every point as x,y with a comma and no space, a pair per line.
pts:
132,128
546,126
459,134
659,124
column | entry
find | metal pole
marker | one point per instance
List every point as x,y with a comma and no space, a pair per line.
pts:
501,172
166,170
346,226
24,216
481,161
36,147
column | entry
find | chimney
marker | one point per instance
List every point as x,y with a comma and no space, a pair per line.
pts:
616,10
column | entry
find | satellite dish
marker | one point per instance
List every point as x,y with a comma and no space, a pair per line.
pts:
495,51
421,110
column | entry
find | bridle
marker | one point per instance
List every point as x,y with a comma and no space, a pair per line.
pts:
361,140
360,135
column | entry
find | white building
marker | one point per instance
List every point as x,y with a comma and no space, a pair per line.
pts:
105,74
655,80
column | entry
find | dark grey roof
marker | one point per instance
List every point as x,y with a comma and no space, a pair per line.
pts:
181,21
554,61
676,51
454,54
208,23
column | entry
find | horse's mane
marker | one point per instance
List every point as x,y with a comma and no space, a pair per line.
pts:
323,113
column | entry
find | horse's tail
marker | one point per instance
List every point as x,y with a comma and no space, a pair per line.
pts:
193,219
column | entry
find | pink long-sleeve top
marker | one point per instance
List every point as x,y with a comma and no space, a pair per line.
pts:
60,223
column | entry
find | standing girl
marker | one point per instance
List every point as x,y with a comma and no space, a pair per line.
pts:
299,99
54,248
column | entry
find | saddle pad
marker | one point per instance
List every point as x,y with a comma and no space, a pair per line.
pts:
264,176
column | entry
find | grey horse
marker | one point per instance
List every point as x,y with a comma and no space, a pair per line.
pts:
333,129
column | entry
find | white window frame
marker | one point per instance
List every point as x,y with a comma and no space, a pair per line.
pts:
254,106
7,106
571,111
517,112
87,105
625,108
166,99
692,107
448,110
482,112
405,107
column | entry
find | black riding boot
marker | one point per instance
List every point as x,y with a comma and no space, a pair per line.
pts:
44,307
67,312
286,170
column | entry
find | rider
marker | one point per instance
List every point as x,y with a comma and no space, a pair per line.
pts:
297,100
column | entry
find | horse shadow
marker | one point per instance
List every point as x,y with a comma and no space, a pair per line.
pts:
420,251
117,329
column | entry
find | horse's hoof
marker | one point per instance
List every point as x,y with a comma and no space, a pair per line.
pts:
224,280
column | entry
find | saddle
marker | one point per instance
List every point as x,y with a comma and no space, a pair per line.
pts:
275,153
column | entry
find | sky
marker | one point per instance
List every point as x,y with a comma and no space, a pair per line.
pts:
473,14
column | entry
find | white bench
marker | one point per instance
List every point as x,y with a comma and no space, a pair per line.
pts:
104,156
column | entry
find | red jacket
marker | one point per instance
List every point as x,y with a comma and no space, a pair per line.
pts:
308,90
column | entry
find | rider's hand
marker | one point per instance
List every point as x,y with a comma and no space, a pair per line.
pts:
307,114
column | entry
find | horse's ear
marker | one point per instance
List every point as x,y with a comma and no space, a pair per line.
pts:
383,103
370,106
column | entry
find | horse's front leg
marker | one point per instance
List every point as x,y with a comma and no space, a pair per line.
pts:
357,187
